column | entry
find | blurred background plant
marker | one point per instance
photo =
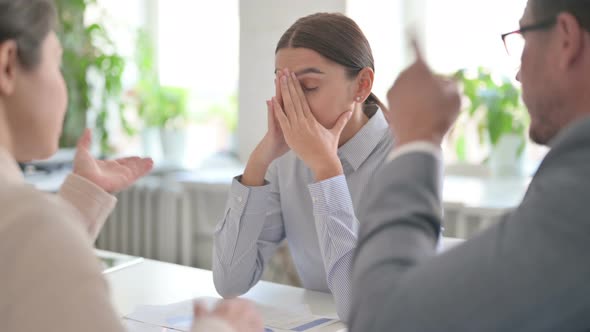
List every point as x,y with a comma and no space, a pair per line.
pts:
157,106
93,73
226,111
494,110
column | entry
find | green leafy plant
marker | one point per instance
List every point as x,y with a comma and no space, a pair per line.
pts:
92,71
226,111
495,105
170,109
158,106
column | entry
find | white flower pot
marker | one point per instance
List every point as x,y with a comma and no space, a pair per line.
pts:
506,158
151,143
174,146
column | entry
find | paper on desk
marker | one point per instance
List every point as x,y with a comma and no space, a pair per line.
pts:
178,317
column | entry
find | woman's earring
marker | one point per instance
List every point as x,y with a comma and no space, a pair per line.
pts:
358,99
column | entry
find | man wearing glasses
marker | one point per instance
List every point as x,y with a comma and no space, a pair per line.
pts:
531,271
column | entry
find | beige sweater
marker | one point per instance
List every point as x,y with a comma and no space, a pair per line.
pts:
50,279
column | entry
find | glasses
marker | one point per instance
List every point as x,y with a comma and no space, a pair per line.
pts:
514,41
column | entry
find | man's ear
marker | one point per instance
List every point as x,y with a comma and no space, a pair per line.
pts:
8,66
570,39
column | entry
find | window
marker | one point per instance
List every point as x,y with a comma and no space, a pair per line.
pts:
455,34
198,49
466,34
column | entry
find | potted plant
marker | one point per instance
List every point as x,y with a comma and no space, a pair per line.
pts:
172,103
164,113
495,107
226,114
162,109
93,74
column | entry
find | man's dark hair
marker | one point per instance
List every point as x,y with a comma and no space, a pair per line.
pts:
546,9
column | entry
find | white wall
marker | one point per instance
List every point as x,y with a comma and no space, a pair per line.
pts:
457,36
199,48
262,22
382,23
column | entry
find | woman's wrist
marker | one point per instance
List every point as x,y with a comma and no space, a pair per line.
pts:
327,169
255,171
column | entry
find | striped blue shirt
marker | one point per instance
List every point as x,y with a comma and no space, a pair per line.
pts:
317,219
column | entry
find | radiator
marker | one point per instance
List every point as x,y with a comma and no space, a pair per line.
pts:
151,220
169,219
464,222
172,219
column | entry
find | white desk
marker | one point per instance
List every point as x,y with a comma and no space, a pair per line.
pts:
490,193
156,283
473,203
447,243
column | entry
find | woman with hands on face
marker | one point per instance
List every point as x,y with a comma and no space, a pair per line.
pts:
327,134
